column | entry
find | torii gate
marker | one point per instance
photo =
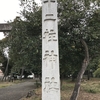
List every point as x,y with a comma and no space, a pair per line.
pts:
5,27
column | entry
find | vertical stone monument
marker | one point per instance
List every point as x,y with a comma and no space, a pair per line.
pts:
50,54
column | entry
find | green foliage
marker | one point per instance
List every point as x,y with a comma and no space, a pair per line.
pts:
95,64
77,20
92,86
92,91
67,86
25,41
97,73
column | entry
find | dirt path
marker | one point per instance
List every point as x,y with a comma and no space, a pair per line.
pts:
17,91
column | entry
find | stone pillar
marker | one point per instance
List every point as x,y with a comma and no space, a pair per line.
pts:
50,54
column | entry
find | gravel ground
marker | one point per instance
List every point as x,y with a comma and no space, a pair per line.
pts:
17,91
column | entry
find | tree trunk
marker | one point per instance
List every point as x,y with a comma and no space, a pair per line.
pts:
81,72
22,71
6,70
88,75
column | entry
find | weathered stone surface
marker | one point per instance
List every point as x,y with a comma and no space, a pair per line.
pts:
50,55
4,27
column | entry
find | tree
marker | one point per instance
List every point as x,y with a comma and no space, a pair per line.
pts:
24,41
77,32
78,38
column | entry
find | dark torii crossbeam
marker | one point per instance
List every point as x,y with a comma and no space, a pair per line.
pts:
5,27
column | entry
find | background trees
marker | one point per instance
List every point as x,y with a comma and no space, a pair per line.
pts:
79,31
75,23
77,20
25,40
79,23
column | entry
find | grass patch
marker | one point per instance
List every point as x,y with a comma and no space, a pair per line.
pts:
90,90
67,86
91,86
5,84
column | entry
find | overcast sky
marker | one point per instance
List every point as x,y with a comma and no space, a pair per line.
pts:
9,10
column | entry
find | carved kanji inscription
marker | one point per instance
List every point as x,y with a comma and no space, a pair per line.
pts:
49,36
46,58
47,84
46,35
53,59
50,85
46,1
49,17
53,89
50,59
52,36
53,85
